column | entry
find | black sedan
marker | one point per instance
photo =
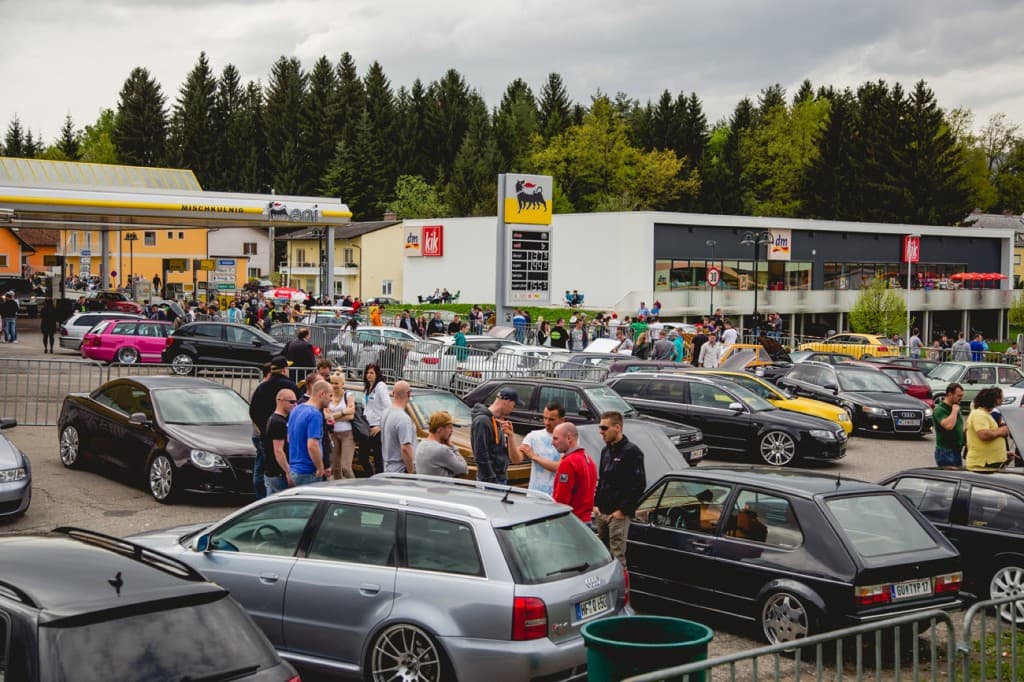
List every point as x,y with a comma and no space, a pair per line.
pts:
796,552
982,513
875,403
181,433
219,344
732,419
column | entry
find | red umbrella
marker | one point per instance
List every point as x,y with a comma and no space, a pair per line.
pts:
995,275
286,293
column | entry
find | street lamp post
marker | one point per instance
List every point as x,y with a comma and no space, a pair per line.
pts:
711,305
757,240
131,237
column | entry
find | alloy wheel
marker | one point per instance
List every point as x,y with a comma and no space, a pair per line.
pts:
182,364
128,356
778,448
161,478
405,653
784,618
1008,581
70,447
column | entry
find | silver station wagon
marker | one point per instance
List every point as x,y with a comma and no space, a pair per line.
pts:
413,577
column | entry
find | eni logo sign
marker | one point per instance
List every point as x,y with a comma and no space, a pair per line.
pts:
277,210
528,199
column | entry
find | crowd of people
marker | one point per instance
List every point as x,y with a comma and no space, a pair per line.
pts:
976,441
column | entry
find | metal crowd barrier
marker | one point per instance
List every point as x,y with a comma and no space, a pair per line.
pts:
990,646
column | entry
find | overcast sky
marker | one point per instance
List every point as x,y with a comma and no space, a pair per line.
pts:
70,56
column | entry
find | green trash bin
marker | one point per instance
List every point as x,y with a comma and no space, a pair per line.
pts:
624,646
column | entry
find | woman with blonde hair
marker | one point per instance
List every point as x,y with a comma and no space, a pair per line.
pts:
641,348
339,412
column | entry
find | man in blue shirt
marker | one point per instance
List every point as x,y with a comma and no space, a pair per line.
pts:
305,430
978,348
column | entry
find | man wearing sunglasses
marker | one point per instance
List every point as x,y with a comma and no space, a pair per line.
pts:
620,484
276,475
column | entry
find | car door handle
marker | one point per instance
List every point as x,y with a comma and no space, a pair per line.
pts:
700,545
369,589
269,578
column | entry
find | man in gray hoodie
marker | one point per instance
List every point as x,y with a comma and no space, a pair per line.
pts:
961,349
492,438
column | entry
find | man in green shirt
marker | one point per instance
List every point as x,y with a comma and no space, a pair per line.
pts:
949,428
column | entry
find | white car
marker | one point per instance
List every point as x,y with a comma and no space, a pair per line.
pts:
434,362
385,346
512,361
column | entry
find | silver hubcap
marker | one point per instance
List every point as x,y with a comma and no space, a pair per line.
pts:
405,653
127,356
69,445
182,364
1009,582
784,619
777,448
161,477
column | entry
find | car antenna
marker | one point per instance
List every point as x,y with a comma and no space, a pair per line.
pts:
505,499
839,480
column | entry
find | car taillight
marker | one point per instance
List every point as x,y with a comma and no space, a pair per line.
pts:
950,582
529,618
295,679
63,331
625,577
430,360
872,594
883,349
168,342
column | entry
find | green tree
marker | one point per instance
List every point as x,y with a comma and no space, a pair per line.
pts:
230,141
416,198
98,139
471,189
380,111
282,116
878,310
412,154
193,140
319,134
356,173
828,188
1009,180
140,127
249,134
1016,312
447,120
515,124
554,113
70,140
351,98
33,146
14,140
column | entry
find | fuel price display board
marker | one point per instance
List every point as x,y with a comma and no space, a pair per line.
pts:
529,259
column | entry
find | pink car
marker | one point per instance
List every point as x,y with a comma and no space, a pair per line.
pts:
126,341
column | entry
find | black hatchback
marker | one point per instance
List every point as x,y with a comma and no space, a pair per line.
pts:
219,344
794,551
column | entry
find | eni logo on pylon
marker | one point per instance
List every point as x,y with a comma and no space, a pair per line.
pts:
528,199
530,196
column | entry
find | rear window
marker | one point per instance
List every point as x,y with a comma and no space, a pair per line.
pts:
877,525
551,549
201,649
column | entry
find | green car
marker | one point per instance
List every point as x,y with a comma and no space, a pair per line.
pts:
973,376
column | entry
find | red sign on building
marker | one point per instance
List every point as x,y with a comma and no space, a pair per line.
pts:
911,249
433,240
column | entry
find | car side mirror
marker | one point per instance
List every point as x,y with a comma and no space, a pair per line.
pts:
201,543
585,413
8,423
736,407
257,343
832,387
139,418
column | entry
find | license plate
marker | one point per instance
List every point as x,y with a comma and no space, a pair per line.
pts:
591,607
908,422
911,589
698,454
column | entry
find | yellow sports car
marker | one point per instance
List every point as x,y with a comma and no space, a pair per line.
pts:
857,345
784,401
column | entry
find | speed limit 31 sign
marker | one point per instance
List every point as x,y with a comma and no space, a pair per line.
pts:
713,276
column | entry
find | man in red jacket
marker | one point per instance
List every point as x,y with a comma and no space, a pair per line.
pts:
576,476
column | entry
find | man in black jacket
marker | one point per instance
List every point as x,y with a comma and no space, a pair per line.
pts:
621,481
261,406
299,351
492,439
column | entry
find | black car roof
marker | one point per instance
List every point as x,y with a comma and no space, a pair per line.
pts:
799,482
155,382
1007,478
69,572
581,383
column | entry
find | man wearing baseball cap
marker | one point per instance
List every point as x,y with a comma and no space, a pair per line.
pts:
436,456
492,438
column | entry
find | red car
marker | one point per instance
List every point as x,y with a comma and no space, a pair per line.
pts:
911,380
112,300
126,341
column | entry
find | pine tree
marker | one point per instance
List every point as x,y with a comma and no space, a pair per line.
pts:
319,134
283,121
693,129
33,147
471,190
555,112
356,173
733,190
515,123
14,140
140,128
772,97
666,124
380,110
193,137
249,136
829,190
412,153
70,140
448,118
804,93
351,98
231,143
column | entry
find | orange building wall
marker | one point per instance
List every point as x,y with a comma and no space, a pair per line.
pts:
10,247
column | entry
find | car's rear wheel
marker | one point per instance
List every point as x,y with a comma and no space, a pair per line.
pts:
1008,581
183,364
162,478
127,355
406,652
70,447
777,448
785,617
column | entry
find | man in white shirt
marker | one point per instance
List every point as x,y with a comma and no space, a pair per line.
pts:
538,448
709,352
730,335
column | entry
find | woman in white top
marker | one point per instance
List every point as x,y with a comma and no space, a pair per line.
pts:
340,412
376,401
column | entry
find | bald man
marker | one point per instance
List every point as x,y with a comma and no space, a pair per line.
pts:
576,476
276,474
397,433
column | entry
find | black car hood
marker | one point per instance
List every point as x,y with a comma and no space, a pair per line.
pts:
670,426
797,420
898,401
774,349
227,439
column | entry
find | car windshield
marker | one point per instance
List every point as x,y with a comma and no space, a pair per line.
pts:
739,359
866,380
800,355
192,640
879,524
553,548
908,376
426,404
947,371
759,388
754,402
201,406
607,400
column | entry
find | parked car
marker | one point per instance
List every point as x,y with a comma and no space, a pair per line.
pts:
584,402
73,329
973,376
982,513
734,421
219,344
511,361
910,380
412,577
15,479
588,365
328,316
924,365
386,346
660,454
433,362
126,341
857,345
29,296
179,433
66,591
385,301
796,552
112,300
875,402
